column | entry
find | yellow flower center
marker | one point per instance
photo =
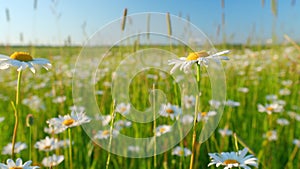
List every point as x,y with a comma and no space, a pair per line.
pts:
203,114
68,122
270,108
162,130
16,168
21,56
105,132
47,147
196,55
230,161
170,111
181,152
123,109
269,134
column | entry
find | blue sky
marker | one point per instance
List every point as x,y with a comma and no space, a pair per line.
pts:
51,24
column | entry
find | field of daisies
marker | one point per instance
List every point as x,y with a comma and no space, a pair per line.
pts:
41,127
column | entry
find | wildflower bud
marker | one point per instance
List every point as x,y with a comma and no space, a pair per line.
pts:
29,120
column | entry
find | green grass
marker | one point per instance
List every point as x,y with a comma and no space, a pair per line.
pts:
260,68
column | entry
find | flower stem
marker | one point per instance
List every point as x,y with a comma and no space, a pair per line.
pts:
195,117
154,127
70,148
111,134
16,109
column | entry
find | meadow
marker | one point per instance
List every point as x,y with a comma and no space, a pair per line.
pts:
257,78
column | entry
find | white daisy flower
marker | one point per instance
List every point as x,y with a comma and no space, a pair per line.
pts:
243,89
68,121
287,83
204,116
225,132
294,115
271,135
214,104
187,119
272,97
233,159
282,122
2,119
169,110
54,130
284,92
105,134
189,101
22,60
59,99
120,124
296,142
181,151
162,129
270,108
201,58
105,119
53,160
123,108
232,103
47,144
19,146
10,164
134,148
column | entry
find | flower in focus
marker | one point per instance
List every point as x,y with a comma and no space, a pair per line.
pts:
10,164
53,160
123,108
47,144
162,129
201,58
169,110
181,151
233,159
22,60
19,146
68,121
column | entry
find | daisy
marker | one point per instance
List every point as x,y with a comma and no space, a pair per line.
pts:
47,144
271,135
123,108
204,116
225,132
282,122
2,119
105,134
284,92
19,146
169,110
243,89
68,121
296,142
232,103
22,60
54,130
162,129
233,159
10,164
187,119
201,58
214,104
53,160
105,119
134,148
270,108
122,123
181,151
189,101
